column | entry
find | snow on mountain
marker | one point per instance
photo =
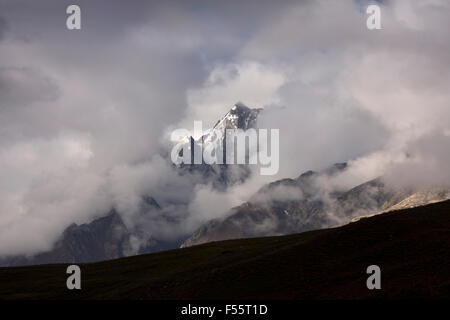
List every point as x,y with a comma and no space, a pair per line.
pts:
239,117
221,175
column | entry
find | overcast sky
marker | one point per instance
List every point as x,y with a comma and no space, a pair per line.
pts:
85,113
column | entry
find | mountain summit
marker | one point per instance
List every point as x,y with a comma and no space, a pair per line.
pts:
239,117
221,175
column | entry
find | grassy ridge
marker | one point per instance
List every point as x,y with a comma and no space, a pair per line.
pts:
411,247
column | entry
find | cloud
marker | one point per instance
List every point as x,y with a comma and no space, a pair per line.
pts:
425,164
3,27
46,184
26,94
84,115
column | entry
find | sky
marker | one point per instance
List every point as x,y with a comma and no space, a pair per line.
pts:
85,114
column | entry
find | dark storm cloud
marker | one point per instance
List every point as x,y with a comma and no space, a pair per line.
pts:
3,27
24,86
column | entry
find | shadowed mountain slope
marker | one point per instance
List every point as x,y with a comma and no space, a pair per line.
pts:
104,238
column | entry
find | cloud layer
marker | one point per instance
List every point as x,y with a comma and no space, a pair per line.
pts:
84,115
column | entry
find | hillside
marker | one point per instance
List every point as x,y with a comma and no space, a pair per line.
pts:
410,246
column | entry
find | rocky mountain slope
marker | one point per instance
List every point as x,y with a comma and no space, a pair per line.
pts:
311,206
104,238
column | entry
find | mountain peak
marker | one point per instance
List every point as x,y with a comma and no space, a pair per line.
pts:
239,107
239,117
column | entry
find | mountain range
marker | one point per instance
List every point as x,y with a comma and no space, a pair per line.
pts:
282,207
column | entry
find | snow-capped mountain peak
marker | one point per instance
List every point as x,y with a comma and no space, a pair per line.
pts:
239,117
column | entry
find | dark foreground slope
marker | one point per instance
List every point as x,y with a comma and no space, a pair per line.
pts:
410,246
